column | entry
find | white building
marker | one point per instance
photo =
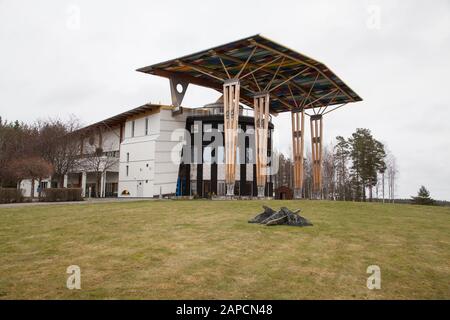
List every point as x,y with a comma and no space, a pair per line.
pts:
138,153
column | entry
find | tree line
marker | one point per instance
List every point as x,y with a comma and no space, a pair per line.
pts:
47,148
357,168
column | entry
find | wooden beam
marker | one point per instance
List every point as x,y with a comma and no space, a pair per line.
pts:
224,68
231,92
298,125
302,62
261,109
237,60
320,98
260,67
246,62
198,81
317,153
206,71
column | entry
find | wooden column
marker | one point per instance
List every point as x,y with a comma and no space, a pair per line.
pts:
298,125
316,143
261,110
231,93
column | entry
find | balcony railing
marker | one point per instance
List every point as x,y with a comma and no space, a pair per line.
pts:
211,111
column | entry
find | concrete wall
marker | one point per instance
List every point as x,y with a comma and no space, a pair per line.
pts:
150,157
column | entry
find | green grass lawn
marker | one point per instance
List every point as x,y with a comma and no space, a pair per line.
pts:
207,250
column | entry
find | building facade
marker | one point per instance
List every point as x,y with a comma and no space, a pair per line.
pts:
157,151
203,175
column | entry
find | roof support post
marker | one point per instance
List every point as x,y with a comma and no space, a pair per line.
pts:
317,152
298,125
231,94
178,89
261,110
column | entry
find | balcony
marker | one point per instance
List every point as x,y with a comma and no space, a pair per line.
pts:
217,109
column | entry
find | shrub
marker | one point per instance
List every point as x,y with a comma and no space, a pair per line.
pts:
11,195
61,194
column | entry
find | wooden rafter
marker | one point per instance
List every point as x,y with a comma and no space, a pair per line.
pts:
205,70
329,103
302,62
239,61
274,75
224,68
246,62
198,81
320,98
261,67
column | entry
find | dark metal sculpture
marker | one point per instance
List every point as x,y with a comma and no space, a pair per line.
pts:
285,216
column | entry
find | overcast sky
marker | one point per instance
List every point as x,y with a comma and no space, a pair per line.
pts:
78,57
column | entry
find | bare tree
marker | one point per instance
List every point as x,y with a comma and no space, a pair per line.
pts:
308,175
99,162
33,168
391,176
285,171
59,144
17,141
329,173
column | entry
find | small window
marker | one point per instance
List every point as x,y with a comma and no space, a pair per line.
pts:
207,155
127,170
133,124
207,127
193,187
221,189
128,157
221,155
146,126
249,155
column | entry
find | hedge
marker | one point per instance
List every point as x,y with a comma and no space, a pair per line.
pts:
61,194
11,195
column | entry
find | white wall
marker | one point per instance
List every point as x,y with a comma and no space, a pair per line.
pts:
168,152
150,156
25,186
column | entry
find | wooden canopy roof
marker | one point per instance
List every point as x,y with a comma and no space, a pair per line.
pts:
294,80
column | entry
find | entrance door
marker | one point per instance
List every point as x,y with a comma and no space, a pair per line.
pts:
140,189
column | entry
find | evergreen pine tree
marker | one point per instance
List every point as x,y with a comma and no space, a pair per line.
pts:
423,197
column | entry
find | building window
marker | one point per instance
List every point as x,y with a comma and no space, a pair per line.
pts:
195,127
193,187
207,152
43,185
249,155
133,124
128,157
220,188
207,188
207,127
221,155
237,188
127,170
146,126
